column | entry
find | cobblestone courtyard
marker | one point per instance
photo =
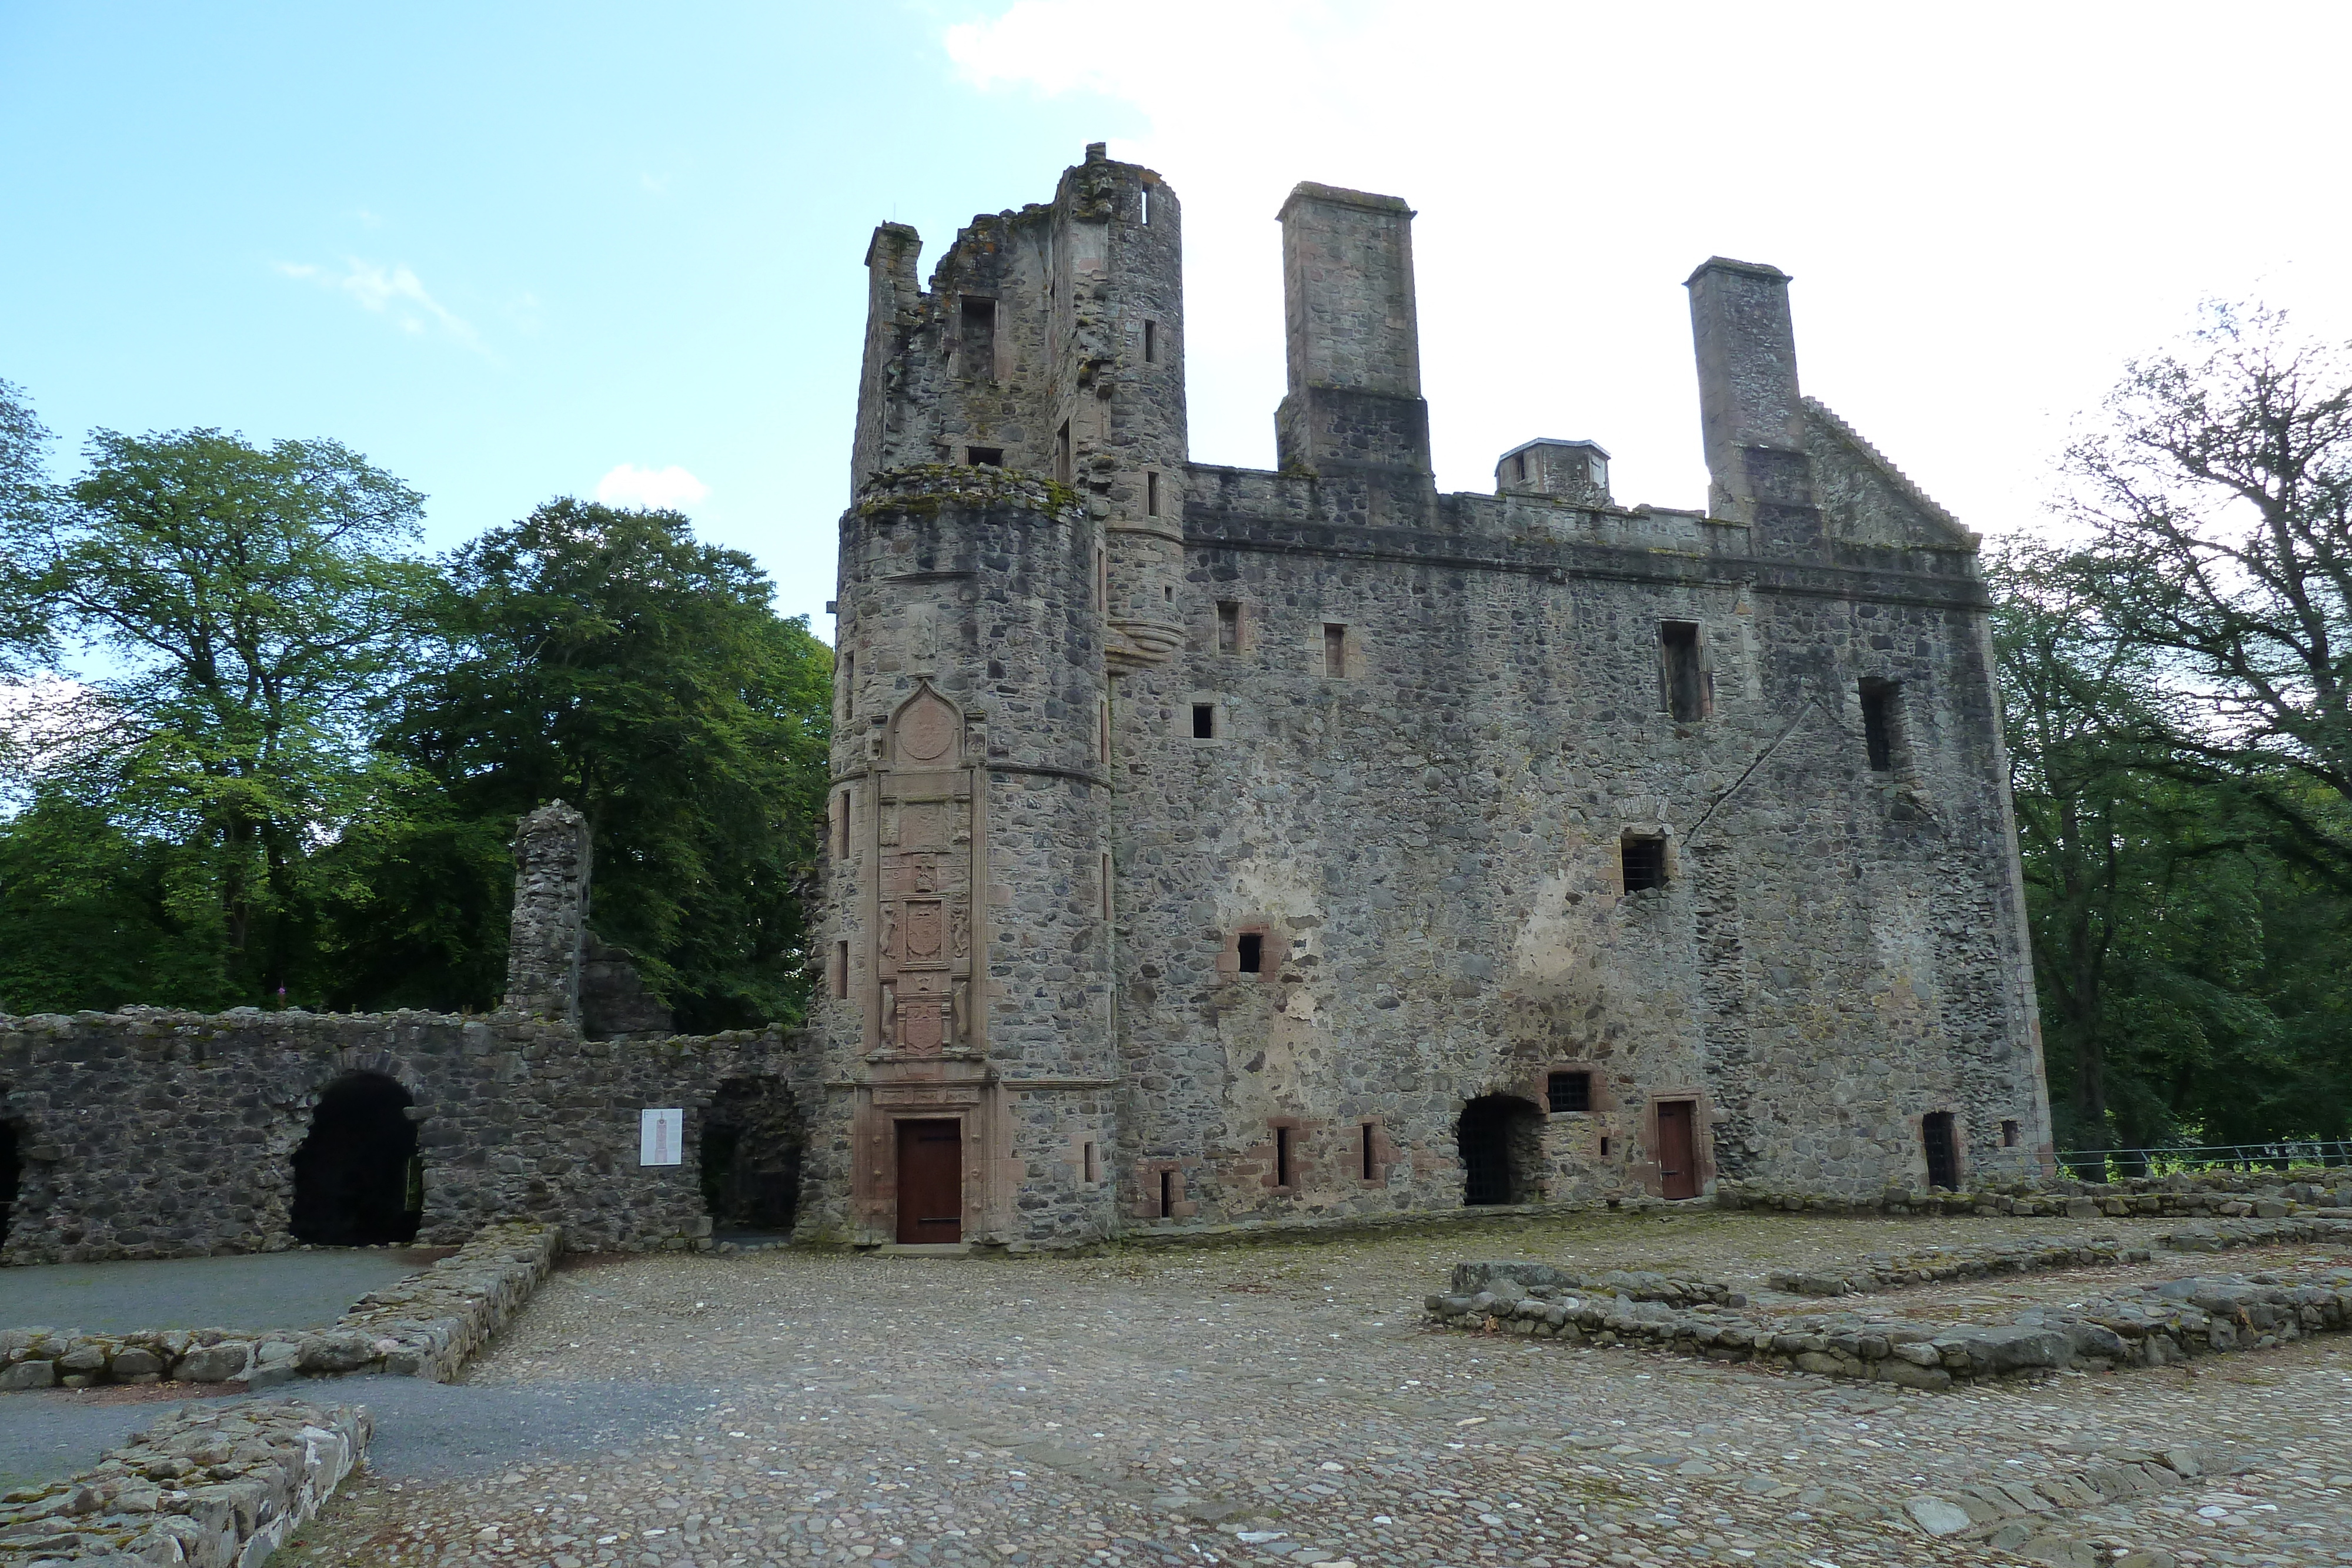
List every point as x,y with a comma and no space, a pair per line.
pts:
1284,1404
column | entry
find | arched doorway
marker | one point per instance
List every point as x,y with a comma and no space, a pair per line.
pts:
12,1176
1500,1137
752,1158
358,1181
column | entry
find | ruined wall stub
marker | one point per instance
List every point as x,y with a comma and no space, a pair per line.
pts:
548,926
1309,799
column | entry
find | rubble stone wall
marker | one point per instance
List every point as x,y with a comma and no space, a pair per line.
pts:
150,1133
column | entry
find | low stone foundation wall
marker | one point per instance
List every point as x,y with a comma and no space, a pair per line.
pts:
2207,1195
1931,1265
2150,1326
2229,1233
1516,1279
209,1487
429,1325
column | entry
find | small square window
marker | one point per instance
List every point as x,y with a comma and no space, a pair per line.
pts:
1569,1090
1249,952
1643,862
984,456
1204,721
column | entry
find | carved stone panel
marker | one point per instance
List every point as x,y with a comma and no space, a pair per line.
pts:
927,886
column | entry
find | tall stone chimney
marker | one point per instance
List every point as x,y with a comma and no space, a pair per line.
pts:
551,915
1750,410
1355,401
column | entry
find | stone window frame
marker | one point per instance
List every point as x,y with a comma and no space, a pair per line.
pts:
838,980
1220,720
1269,1156
1085,1149
1601,1101
1148,1188
1351,653
1243,628
1384,1152
1703,1119
1662,831
1899,693
1703,651
1273,950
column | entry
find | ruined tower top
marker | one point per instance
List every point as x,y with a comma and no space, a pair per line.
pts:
551,914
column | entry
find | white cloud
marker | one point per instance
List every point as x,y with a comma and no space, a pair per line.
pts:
630,486
395,290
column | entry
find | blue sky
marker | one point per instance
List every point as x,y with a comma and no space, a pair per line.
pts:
507,249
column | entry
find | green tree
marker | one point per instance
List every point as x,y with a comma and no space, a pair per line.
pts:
610,659
239,612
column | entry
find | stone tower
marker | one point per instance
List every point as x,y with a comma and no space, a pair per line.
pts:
1020,446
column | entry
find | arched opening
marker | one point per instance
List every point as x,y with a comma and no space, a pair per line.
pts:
12,1176
358,1180
1501,1141
751,1159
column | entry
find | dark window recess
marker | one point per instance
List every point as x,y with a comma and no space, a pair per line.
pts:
1686,679
1167,1195
1604,1148
1093,1171
1204,721
1062,468
1520,467
849,685
1150,494
1370,1164
978,335
1645,863
984,456
1283,1173
2009,1134
1335,649
840,971
1569,1090
1229,626
1879,719
1943,1150
1249,952
1151,343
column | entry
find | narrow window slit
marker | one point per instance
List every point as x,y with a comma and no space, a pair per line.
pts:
1249,952
1151,343
1335,650
1370,1165
1167,1195
1151,493
1281,1157
1229,626
1881,723
1678,647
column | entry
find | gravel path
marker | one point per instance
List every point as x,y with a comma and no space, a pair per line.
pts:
297,1290
1147,1409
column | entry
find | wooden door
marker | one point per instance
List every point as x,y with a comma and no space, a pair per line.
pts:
1678,1160
930,1182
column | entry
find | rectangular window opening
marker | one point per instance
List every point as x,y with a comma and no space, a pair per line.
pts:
1151,343
1147,206
841,971
1282,1158
1643,862
1167,1195
1204,721
1249,953
1106,885
1335,650
1520,467
1569,1090
1880,720
979,338
1940,1136
1091,1170
849,686
1678,646
2009,1134
1102,728
1150,493
1229,626
1604,1148
1062,469
841,828
1370,1164
984,456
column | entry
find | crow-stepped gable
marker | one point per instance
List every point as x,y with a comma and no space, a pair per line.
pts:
1214,845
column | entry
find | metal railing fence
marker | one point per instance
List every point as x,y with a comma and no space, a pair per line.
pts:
2289,1154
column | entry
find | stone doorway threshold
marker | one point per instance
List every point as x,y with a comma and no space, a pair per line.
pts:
924,1249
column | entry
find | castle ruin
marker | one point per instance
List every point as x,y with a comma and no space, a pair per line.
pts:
1216,845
